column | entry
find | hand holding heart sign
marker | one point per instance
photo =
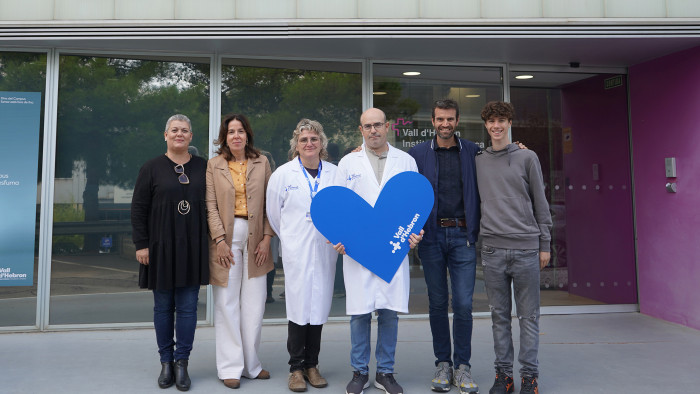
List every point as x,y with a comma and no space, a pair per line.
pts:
376,237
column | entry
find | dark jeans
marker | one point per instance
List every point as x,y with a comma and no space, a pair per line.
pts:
450,253
270,281
180,302
303,345
338,282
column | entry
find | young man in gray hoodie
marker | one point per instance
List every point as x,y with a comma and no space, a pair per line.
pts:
515,234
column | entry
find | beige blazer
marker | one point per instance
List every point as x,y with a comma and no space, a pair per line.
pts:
221,197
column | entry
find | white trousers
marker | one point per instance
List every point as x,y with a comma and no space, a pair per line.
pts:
238,340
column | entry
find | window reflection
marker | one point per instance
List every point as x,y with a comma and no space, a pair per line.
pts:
275,96
408,101
111,117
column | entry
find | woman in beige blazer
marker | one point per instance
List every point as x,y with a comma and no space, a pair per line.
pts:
239,249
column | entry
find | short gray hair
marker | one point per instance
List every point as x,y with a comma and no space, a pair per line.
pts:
179,117
312,125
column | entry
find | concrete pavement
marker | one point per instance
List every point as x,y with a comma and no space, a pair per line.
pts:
595,353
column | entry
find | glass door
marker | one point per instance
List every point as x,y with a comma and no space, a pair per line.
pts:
577,124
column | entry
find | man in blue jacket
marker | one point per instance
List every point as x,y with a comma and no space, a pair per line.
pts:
448,244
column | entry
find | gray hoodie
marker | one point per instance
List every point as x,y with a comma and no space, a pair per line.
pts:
514,209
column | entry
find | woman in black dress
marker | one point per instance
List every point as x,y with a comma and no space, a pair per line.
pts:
168,215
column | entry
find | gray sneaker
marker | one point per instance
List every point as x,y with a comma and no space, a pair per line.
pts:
463,380
386,382
443,377
358,384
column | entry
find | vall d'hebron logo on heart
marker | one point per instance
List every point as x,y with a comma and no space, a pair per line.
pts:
375,236
402,234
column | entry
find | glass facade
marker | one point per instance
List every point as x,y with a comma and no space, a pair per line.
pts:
110,113
275,96
406,93
407,98
111,116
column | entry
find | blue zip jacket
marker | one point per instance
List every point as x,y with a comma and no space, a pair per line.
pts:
427,161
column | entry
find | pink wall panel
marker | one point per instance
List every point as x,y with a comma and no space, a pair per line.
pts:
665,108
599,225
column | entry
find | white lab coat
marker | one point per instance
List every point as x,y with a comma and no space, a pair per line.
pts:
308,260
365,291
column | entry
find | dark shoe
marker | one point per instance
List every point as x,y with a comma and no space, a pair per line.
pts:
386,382
167,375
358,384
503,384
232,383
182,378
269,299
296,382
313,375
263,375
529,385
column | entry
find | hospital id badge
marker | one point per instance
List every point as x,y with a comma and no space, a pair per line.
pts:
308,216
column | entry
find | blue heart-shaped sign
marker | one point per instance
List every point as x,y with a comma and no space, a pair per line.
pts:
376,237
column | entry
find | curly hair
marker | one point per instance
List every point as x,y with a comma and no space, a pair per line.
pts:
499,109
311,125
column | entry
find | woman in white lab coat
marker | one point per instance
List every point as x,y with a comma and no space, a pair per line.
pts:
308,260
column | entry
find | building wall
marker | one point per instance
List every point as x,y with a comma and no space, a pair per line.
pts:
599,224
63,10
665,97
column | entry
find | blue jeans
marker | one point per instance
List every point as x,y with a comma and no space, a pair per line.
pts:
452,253
180,301
521,268
387,334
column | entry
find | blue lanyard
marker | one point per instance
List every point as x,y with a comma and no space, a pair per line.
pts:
312,191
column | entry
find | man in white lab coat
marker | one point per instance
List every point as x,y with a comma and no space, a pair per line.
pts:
366,172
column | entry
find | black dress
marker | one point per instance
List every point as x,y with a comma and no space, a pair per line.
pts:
178,249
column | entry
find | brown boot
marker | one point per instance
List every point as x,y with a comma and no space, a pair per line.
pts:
296,382
232,383
315,378
263,375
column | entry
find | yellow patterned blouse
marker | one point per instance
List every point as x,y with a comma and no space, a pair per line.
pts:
238,174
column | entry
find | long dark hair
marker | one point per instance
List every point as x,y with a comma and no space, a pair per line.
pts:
251,151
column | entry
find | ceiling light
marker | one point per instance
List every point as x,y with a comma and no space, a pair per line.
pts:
378,93
472,95
411,73
524,76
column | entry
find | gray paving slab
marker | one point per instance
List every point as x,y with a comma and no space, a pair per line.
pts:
601,353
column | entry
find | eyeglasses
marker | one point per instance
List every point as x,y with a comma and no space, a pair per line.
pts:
176,130
180,169
368,127
313,140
